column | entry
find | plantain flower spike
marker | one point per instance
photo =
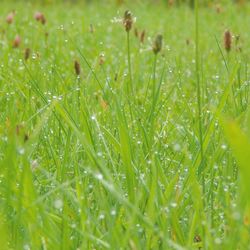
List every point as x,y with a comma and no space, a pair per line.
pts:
227,40
128,20
157,45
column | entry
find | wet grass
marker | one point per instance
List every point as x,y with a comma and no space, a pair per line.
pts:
125,149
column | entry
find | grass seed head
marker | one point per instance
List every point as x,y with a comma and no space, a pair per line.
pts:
101,59
136,32
26,137
142,36
128,20
91,28
77,68
157,45
227,40
197,238
26,54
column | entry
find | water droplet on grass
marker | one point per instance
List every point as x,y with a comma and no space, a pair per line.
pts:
173,204
58,204
113,212
101,217
99,176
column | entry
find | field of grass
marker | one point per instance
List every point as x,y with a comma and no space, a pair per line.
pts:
105,144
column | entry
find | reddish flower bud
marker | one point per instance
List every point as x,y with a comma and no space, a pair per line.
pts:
40,17
16,41
10,17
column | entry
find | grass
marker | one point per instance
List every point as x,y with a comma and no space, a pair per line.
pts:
85,163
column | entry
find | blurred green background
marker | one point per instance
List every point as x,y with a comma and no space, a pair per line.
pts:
167,2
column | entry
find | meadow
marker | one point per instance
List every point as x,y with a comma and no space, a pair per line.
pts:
124,126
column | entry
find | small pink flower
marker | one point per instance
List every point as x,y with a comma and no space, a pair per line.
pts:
10,17
39,16
17,41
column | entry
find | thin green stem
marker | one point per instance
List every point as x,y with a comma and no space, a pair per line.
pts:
198,85
130,86
154,75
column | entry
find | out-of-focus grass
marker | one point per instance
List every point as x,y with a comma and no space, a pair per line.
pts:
86,165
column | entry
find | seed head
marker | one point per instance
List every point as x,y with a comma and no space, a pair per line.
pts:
197,238
142,36
227,40
27,54
77,68
136,32
91,28
26,137
157,45
128,20
218,8
101,59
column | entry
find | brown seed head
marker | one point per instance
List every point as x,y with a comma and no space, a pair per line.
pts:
26,54
197,238
91,28
218,8
136,32
26,137
77,68
142,36
128,20
157,45
227,40
101,59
